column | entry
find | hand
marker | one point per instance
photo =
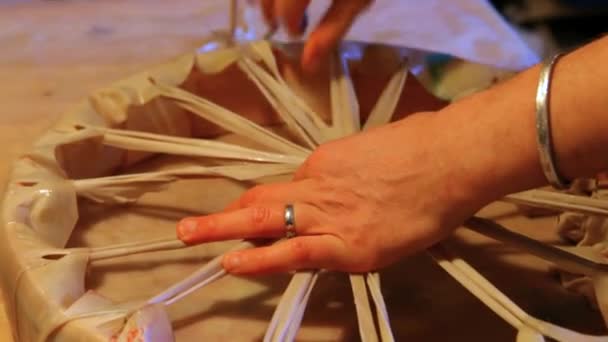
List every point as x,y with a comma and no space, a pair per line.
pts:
335,24
361,203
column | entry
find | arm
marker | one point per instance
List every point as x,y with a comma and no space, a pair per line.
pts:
497,127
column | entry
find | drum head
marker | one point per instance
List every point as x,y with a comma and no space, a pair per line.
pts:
88,242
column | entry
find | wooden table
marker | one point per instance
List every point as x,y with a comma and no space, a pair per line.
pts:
53,53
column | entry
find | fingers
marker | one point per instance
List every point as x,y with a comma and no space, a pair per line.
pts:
336,23
293,14
305,252
277,192
268,11
258,221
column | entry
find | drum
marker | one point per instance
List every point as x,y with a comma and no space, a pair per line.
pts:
88,243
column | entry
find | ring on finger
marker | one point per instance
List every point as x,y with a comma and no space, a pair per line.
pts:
290,221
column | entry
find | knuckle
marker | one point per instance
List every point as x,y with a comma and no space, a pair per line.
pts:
324,185
359,242
333,202
322,160
252,195
260,216
318,158
340,211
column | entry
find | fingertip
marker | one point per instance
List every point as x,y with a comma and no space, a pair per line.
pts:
330,31
311,57
187,229
232,262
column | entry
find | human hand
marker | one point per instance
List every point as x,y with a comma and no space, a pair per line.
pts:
334,25
361,203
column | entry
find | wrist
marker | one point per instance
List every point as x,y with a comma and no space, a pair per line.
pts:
578,108
491,140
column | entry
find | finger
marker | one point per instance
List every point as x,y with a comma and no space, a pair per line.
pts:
302,171
334,25
268,12
259,221
292,13
234,205
304,252
276,192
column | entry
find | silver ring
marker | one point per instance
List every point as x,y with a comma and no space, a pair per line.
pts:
290,221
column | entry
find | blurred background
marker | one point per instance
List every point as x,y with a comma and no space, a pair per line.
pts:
552,24
561,24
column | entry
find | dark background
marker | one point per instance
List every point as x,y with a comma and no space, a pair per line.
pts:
568,23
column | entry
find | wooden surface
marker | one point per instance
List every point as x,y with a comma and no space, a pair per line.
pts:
53,53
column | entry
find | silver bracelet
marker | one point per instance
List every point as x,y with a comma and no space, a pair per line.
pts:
543,126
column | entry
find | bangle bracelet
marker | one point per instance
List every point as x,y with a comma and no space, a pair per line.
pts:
543,126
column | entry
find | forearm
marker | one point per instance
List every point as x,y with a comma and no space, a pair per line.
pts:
580,111
494,136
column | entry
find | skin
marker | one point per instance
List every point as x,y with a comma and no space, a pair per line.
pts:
332,27
361,204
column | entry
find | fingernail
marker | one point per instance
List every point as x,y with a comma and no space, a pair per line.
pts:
187,228
232,262
311,58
